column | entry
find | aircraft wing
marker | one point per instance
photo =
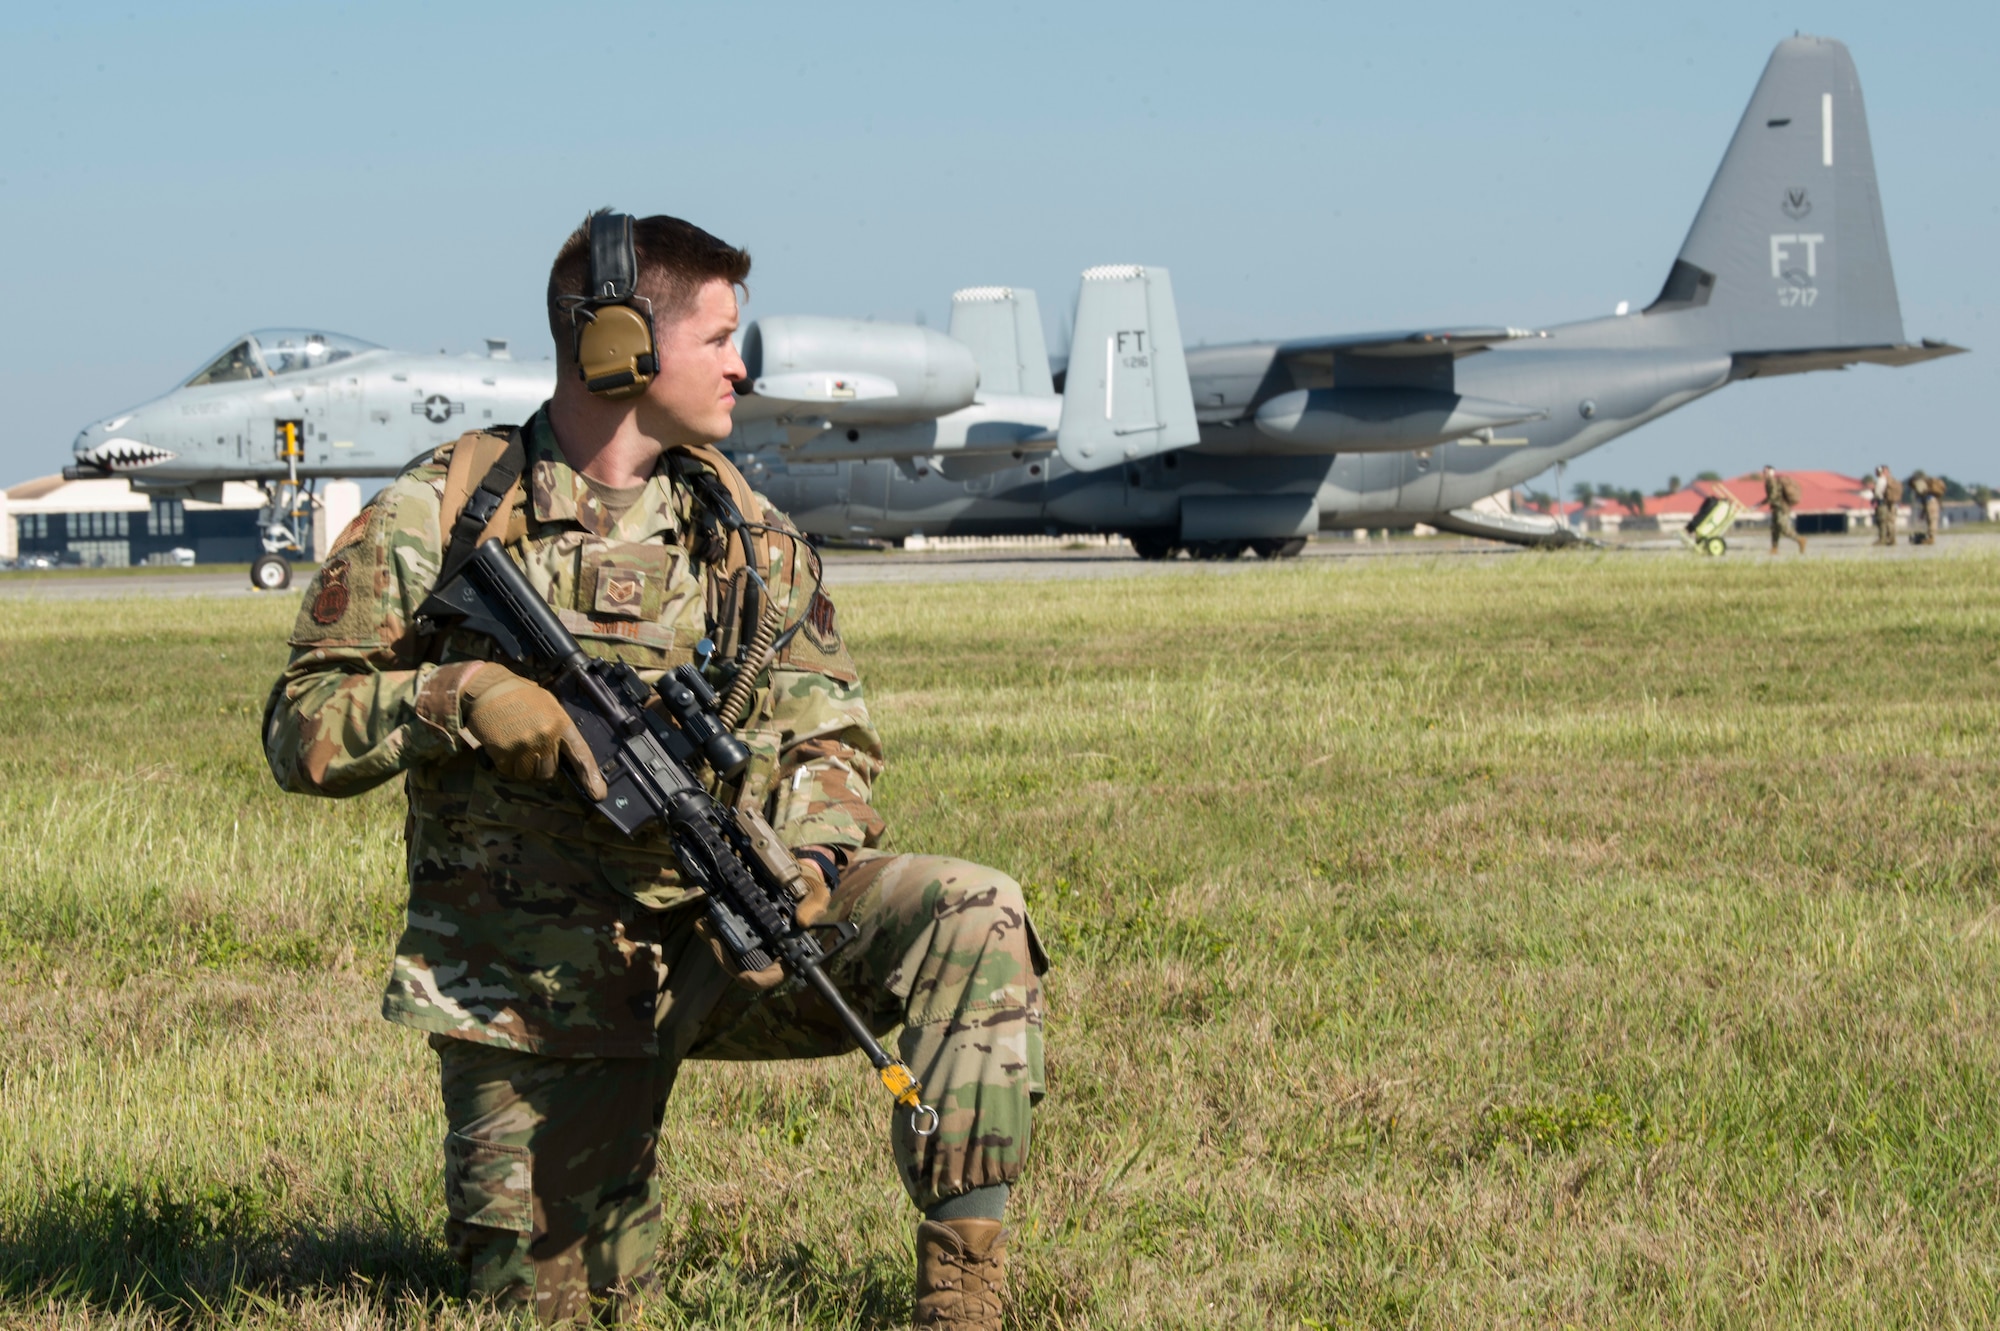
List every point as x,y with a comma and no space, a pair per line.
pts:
1452,342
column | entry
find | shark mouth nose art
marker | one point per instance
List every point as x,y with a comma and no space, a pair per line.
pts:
125,455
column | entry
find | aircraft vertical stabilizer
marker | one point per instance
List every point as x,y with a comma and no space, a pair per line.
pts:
1003,326
1789,251
1126,393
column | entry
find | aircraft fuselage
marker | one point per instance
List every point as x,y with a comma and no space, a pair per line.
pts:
1594,381
364,414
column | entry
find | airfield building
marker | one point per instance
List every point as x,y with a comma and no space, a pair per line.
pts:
108,524
1832,502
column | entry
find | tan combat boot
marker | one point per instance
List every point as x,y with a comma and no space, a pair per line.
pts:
961,1273
1802,543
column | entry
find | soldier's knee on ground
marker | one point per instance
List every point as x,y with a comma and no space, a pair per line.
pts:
974,1028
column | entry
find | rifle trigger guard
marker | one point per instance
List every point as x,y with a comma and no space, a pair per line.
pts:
833,935
923,1120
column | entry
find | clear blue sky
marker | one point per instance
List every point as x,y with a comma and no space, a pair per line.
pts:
173,175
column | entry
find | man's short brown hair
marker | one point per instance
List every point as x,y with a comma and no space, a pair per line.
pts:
676,260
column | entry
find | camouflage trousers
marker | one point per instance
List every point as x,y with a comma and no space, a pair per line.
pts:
1782,525
1933,519
1885,524
550,1186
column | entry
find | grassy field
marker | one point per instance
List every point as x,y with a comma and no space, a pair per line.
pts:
1578,940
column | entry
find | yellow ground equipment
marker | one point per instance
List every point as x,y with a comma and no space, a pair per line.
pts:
1706,529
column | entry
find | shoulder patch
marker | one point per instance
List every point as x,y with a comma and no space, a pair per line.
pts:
820,622
331,602
357,598
817,645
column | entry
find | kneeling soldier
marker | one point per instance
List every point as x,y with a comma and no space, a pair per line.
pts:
556,964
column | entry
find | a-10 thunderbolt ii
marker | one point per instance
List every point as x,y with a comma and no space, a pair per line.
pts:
287,408
1785,270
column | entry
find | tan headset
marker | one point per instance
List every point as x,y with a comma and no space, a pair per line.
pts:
616,352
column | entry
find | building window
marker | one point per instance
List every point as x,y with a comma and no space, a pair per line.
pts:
169,519
99,526
101,554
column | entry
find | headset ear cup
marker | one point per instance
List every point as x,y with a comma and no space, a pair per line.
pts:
615,352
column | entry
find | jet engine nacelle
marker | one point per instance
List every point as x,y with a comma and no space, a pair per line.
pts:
1382,420
850,369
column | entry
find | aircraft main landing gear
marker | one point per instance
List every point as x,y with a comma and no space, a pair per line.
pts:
271,573
1290,548
1152,545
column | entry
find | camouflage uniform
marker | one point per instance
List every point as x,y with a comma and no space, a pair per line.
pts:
1888,495
553,961
1781,512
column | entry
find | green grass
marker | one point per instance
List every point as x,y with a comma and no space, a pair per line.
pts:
1584,940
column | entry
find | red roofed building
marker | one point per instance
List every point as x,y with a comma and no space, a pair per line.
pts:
1831,502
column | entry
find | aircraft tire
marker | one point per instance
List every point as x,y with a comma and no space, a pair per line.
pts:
271,573
1216,549
1152,545
1290,548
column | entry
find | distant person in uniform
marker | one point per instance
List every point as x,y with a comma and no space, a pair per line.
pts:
1888,492
1781,495
1931,490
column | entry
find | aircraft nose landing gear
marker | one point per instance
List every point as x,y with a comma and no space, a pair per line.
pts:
287,515
271,573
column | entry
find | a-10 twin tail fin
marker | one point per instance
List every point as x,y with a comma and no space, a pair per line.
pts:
1002,326
1787,264
1125,394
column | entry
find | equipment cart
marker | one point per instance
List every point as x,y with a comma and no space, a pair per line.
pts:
1715,517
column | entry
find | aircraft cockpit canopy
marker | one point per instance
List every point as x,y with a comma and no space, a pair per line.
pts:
275,351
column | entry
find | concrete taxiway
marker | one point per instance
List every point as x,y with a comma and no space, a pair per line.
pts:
846,568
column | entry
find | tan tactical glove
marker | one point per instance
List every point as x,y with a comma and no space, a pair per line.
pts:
813,905
810,910
523,729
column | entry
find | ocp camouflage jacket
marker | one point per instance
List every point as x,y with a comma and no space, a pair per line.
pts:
533,923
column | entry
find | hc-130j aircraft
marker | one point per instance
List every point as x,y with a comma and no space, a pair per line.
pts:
289,407
1785,270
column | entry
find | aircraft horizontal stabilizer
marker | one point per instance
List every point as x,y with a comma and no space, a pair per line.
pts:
1765,364
1452,342
1126,393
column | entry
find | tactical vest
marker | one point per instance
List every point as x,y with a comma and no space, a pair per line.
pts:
484,498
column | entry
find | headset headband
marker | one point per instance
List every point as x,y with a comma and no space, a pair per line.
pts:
614,261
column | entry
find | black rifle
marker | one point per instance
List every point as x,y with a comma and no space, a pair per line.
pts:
648,764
